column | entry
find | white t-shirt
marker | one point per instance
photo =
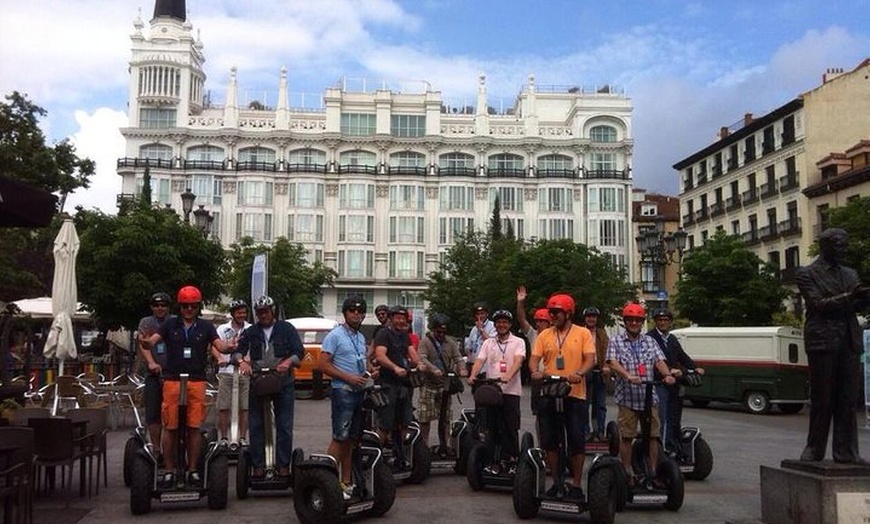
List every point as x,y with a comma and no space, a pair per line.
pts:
493,352
227,332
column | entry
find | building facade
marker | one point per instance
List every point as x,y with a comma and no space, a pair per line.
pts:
376,184
659,255
751,181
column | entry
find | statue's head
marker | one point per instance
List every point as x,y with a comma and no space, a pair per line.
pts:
832,244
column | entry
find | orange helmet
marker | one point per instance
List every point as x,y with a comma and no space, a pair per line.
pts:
561,301
189,295
634,310
542,314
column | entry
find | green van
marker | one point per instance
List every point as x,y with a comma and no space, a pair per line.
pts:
756,366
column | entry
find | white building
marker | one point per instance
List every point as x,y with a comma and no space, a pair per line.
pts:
375,183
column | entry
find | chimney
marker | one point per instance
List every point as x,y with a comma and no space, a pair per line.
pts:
831,73
723,132
747,119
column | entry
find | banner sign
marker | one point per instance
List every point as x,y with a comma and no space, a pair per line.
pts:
259,278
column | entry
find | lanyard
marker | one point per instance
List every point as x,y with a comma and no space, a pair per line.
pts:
501,347
187,332
560,340
354,340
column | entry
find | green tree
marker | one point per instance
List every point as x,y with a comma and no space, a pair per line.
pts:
293,282
495,220
725,284
124,259
854,218
26,261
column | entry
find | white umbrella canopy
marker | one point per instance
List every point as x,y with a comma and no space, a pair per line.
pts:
61,341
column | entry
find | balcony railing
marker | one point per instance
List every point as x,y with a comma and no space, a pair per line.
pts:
750,196
688,183
789,227
162,163
606,173
505,172
767,147
457,171
732,164
768,189
408,170
688,219
306,168
717,209
716,171
789,181
701,215
209,165
253,165
702,178
358,169
555,173
748,156
751,237
732,203
768,232
787,138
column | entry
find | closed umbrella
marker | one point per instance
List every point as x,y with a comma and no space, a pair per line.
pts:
61,341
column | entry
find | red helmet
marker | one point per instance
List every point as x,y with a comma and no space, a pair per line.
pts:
561,301
189,295
542,314
633,310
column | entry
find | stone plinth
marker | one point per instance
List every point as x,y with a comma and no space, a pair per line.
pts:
814,493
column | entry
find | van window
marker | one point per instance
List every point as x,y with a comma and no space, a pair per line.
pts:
792,353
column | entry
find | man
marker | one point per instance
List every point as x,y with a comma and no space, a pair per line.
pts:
440,354
568,351
382,313
154,359
396,356
669,397
833,344
270,344
343,359
188,341
501,357
482,330
632,356
600,373
541,318
229,333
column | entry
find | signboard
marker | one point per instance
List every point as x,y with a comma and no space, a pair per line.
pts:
853,508
662,295
259,278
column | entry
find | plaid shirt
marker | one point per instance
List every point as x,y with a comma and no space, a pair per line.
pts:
631,354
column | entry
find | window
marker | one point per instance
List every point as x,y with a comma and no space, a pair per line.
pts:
555,163
456,160
253,193
648,210
205,153
408,159
159,189
606,199
355,263
303,227
555,228
407,197
306,157
602,162
356,196
357,158
554,199
156,152
306,194
257,155
408,126
409,299
356,228
358,124
368,296
749,149
406,264
406,230
258,226
456,198
505,162
449,229
156,118
607,232
206,188
735,227
514,225
602,134
510,198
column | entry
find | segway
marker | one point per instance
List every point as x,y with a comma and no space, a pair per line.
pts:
271,480
463,435
610,444
662,485
530,495
317,494
459,429
487,467
138,440
693,453
212,468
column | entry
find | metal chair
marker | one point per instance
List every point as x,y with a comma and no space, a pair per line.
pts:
56,444
16,477
97,429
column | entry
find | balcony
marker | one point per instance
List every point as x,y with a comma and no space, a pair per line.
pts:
688,219
306,168
208,165
506,172
358,169
253,165
768,232
407,170
716,171
162,163
687,183
702,177
718,208
751,237
750,197
768,190
732,163
607,173
555,173
789,228
457,171
788,182
701,215
732,203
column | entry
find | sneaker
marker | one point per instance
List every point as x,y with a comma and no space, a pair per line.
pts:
243,442
193,479
555,491
222,443
347,491
492,469
167,481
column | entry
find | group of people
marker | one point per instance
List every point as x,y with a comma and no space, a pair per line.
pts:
172,346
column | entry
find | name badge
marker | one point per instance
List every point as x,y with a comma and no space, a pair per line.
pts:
188,353
502,366
160,348
560,362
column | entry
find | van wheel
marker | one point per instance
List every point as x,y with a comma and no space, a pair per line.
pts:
757,402
791,408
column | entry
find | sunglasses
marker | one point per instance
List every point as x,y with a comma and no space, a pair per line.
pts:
159,304
633,319
354,310
188,306
554,311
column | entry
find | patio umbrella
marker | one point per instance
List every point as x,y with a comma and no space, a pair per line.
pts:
61,341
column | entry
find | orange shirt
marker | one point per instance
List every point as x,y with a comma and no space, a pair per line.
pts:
577,348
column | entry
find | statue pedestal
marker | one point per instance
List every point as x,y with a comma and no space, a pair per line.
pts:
815,493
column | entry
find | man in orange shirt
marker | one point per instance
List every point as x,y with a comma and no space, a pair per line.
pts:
568,351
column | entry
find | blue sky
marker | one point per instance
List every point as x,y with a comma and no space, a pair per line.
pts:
689,67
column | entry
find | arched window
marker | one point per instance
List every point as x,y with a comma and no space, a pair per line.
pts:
555,166
257,154
208,153
306,157
155,152
408,159
602,133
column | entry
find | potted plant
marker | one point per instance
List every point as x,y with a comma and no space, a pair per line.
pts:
8,408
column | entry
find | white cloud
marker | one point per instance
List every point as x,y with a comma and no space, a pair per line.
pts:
99,139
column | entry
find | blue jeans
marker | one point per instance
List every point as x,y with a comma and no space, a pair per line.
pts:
283,408
664,395
598,402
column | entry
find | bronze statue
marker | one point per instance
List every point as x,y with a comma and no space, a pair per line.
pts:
833,342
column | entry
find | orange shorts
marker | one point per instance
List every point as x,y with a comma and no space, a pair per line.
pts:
195,403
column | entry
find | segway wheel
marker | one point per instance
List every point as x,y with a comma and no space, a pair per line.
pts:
296,458
640,457
527,442
209,435
526,503
130,448
141,480
385,490
477,459
218,482
621,486
612,431
317,497
466,442
602,495
243,474
669,471
703,461
422,463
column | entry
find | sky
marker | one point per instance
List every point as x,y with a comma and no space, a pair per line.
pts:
689,68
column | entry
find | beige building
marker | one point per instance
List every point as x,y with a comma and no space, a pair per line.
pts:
844,176
375,183
750,181
660,244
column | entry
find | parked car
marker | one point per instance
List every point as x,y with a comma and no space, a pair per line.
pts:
312,331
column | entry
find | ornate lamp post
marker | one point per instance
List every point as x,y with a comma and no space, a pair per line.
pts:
658,250
187,200
202,219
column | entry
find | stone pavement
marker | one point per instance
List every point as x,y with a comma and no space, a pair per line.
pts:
740,442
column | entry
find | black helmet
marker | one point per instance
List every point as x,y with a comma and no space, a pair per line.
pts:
237,304
354,301
399,310
382,307
662,312
591,311
264,302
160,298
503,313
438,320
480,306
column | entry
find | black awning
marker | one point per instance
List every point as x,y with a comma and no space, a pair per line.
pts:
22,205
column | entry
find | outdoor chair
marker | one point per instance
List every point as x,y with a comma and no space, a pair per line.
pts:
67,393
56,444
97,429
16,474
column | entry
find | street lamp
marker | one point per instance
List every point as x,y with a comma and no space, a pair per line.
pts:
202,219
187,200
658,249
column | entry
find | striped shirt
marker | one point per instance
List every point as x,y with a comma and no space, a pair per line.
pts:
631,354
